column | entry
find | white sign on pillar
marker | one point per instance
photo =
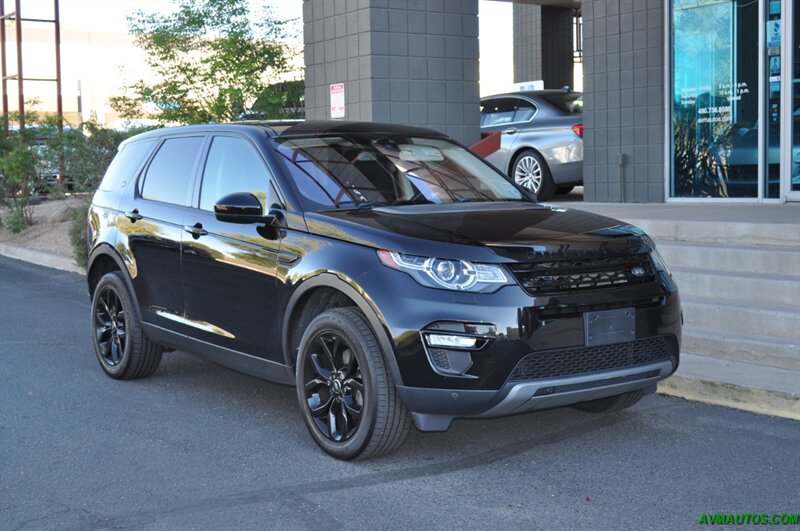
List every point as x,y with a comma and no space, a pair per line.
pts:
337,100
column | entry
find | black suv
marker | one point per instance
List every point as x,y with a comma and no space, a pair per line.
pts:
385,271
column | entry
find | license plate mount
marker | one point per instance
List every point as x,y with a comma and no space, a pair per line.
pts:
609,326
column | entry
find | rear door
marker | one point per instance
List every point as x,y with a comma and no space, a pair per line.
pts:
509,116
229,269
152,223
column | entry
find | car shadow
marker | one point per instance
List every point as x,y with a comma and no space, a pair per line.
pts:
482,440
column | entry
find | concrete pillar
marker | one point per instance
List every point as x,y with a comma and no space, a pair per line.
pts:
623,77
401,61
543,44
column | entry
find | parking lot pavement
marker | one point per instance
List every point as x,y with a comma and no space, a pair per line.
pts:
199,446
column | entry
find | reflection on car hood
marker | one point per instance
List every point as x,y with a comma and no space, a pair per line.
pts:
496,231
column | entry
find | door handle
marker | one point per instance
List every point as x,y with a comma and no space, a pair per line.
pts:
195,230
133,215
510,131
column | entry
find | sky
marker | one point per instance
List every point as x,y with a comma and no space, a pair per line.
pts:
110,15
97,53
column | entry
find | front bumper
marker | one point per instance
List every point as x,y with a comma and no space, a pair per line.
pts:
434,409
521,325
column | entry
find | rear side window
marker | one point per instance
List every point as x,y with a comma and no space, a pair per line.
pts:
126,162
232,166
506,111
169,176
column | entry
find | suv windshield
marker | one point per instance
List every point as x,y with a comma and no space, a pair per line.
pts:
360,170
569,102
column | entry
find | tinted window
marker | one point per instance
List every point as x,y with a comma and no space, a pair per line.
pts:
568,102
345,171
169,176
505,111
232,166
124,164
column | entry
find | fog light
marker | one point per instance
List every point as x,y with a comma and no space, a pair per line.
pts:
451,362
441,340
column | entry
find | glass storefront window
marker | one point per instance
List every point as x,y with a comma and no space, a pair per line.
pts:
795,183
715,103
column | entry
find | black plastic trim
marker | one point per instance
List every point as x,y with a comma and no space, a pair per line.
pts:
232,359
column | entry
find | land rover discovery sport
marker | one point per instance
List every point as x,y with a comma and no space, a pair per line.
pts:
387,273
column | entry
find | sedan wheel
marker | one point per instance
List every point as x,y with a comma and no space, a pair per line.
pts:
528,173
531,172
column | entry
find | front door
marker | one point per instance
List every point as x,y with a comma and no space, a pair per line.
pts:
229,269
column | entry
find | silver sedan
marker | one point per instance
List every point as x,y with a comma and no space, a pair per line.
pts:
541,145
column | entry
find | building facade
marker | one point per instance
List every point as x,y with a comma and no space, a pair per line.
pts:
685,100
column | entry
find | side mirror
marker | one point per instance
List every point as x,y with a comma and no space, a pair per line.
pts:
242,207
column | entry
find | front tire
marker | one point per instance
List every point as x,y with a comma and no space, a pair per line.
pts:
531,172
123,350
611,403
346,394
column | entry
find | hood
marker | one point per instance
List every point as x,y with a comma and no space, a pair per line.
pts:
481,232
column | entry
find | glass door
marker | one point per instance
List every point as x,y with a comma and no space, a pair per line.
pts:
792,103
716,99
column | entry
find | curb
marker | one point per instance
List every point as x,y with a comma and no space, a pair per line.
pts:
42,258
734,396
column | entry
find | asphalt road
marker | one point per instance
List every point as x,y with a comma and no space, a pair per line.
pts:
198,446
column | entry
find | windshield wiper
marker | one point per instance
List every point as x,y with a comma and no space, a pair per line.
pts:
368,205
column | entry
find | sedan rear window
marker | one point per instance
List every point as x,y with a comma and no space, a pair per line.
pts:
569,102
357,170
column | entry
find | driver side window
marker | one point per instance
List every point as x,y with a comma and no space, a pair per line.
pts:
233,166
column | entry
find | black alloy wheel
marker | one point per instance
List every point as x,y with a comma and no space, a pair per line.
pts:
334,386
122,348
110,326
346,394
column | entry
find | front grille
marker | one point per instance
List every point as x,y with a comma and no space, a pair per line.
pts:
584,360
560,276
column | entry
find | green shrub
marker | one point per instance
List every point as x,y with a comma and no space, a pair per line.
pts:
77,234
18,217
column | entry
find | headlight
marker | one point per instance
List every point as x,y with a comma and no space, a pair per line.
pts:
658,260
458,275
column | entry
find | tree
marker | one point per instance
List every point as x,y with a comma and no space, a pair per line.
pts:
210,58
20,166
285,100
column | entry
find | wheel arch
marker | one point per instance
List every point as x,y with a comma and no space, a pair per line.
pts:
312,293
518,151
103,259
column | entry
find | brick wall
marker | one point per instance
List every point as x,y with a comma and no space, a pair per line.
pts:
402,61
624,100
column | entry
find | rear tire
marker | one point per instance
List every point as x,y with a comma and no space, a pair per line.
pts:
611,403
123,350
346,394
531,172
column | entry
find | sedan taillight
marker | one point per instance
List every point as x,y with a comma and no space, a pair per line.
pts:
578,129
